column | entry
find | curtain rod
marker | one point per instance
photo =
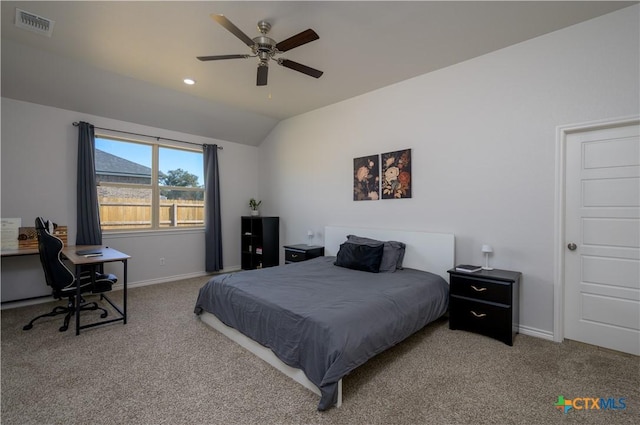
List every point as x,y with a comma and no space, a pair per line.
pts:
75,124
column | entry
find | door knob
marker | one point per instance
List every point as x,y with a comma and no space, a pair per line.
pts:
572,246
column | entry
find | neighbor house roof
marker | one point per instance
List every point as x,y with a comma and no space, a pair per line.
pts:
107,163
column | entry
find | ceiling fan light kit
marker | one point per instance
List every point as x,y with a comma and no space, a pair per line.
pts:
266,48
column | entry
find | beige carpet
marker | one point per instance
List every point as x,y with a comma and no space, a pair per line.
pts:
166,367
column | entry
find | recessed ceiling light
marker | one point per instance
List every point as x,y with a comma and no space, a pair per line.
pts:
189,81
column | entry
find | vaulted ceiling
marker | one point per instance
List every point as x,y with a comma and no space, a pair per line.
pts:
127,60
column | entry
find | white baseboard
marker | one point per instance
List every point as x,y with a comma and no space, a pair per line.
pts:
538,333
6,305
119,286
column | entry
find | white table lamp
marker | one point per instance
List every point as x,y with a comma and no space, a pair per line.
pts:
486,249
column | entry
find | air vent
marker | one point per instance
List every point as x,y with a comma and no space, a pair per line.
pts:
34,23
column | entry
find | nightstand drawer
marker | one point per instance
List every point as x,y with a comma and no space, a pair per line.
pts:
481,289
297,253
294,256
487,319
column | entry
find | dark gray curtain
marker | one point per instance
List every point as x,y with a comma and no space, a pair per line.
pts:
88,212
212,221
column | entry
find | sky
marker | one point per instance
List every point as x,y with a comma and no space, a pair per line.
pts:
170,159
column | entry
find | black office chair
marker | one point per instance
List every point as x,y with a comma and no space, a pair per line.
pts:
63,282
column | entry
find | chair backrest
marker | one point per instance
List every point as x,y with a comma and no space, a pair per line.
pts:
56,273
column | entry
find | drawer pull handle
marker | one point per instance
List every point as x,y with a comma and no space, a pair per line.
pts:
294,255
478,289
481,315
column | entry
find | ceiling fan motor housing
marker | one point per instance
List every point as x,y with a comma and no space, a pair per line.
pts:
264,47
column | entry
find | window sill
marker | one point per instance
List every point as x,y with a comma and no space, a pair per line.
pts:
154,232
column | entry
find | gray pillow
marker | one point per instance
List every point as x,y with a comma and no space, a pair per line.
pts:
392,254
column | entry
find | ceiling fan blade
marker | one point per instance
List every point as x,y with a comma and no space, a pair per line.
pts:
297,40
222,20
263,72
300,68
221,57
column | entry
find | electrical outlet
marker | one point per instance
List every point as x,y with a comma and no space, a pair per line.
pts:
162,261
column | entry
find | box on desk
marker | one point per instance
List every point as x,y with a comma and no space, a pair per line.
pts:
28,237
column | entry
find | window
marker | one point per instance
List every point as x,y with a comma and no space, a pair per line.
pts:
148,186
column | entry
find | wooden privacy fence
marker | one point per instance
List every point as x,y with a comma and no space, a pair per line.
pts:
132,213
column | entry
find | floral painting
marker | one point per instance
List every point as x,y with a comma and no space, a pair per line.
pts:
366,178
396,174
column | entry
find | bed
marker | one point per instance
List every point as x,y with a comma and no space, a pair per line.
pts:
316,321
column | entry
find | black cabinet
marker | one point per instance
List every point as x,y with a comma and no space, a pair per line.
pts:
297,253
260,242
485,302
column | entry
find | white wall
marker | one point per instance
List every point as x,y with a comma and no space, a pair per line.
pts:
39,151
482,135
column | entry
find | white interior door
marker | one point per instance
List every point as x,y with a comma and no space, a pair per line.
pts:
602,238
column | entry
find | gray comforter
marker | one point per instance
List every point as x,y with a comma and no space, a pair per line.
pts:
324,319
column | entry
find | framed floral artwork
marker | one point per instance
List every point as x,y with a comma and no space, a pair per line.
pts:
366,178
396,174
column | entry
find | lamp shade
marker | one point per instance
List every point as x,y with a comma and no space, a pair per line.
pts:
487,249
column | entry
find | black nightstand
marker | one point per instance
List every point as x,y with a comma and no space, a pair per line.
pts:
302,252
485,302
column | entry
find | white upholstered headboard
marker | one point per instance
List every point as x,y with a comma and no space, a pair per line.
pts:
432,252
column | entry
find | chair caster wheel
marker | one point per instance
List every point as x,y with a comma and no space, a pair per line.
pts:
63,328
103,315
27,327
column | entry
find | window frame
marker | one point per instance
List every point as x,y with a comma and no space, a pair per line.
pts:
154,186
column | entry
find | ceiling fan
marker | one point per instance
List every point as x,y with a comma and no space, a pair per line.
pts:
266,48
